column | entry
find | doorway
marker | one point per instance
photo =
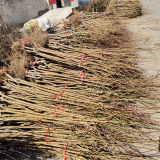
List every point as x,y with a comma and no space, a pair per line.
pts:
59,4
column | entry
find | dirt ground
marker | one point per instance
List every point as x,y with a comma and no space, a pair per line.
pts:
146,31
146,36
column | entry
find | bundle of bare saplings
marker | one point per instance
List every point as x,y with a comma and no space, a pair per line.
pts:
78,98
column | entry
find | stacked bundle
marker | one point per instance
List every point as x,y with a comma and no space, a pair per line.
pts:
77,102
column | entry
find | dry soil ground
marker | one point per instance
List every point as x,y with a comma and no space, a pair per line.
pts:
146,36
146,31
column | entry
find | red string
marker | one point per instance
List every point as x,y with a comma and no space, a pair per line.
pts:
26,72
49,44
39,121
61,110
57,108
82,60
80,74
64,152
35,61
46,135
82,79
48,139
33,65
57,96
26,41
66,36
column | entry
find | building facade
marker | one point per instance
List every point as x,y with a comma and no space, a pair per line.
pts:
53,4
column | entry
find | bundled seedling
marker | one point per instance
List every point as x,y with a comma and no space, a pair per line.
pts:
94,112
98,5
107,32
125,8
78,102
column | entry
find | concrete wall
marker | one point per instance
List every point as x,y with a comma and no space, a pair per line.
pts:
20,11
